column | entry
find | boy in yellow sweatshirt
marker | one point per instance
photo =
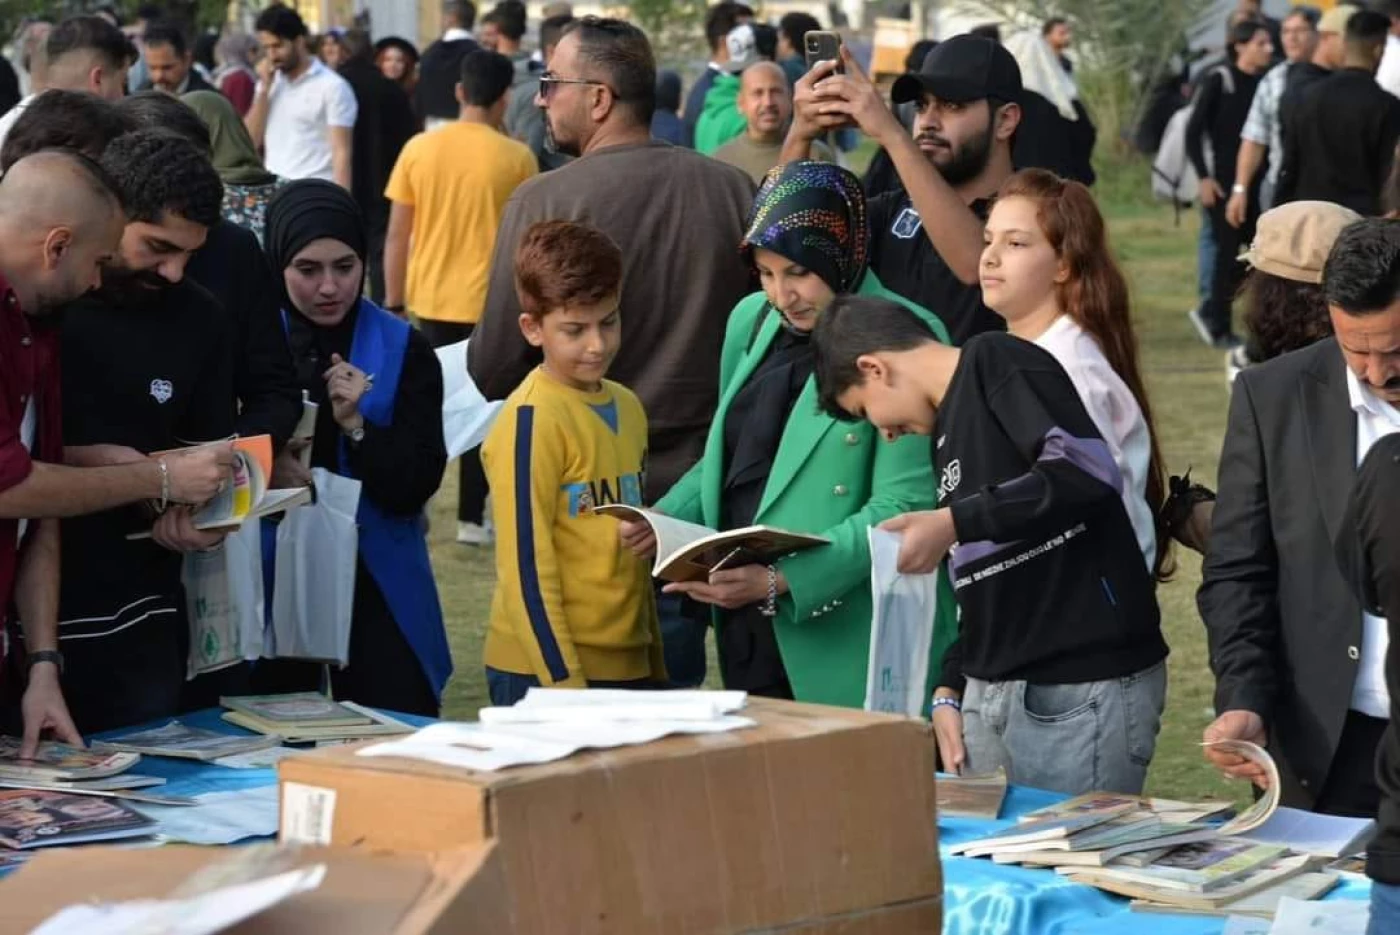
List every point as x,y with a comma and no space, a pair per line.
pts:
571,608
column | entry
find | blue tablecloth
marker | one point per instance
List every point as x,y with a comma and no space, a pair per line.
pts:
983,898
980,897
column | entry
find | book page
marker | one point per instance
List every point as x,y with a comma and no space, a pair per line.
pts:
1267,804
672,535
1310,833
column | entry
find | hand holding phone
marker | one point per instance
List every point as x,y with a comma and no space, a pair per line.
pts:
823,46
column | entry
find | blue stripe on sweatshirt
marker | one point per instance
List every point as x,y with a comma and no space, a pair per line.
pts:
525,548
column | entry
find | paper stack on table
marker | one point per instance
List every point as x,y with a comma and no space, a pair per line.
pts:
550,724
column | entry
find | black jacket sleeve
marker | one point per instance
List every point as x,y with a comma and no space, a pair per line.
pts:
1072,472
1238,597
401,464
210,415
1389,138
270,402
1197,128
1292,153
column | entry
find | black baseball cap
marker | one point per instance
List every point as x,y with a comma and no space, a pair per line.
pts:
963,68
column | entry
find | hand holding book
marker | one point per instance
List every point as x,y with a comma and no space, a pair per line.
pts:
1245,726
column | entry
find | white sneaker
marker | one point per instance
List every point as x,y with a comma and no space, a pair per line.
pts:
472,534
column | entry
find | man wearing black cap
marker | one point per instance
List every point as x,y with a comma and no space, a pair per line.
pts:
966,98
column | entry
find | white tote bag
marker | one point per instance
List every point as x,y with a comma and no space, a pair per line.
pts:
224,599
314,595
466,414
901,630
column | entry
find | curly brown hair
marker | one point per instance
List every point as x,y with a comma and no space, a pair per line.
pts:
1282,315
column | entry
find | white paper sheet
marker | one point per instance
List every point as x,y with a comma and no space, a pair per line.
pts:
723,702
1310,833
266,758
219,818
1310,917
205,914
1246,925
466,414
479,747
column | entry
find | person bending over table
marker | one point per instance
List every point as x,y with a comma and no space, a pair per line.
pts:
799,628
379,388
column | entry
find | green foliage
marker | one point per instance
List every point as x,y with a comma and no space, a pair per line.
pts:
1121,45
676,27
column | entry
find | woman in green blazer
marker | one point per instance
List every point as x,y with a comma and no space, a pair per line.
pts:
801,627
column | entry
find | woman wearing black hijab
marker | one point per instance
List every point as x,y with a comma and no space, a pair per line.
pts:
379,388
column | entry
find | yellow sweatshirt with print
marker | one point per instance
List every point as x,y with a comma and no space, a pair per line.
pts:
571,605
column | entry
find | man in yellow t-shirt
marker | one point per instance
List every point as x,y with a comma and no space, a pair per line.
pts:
449,189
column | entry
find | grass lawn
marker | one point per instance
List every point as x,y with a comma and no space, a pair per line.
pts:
1187,383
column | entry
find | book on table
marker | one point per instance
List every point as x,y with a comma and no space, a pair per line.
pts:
1168,810
1197,868
971,796
1039,832
298,709
691,552
40,818
1260,905
249,496
1136,836
374,724
188,743
54,762
1257,880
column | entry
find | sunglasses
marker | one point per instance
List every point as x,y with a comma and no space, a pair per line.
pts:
549,80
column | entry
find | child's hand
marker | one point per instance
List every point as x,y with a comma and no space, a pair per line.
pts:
637,537
928,535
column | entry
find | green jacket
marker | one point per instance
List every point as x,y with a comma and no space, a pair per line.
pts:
720,120
832,478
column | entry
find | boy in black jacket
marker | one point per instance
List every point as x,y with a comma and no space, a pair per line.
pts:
1058,673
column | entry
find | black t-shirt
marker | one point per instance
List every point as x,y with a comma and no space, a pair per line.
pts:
1047,571
906,262
152,377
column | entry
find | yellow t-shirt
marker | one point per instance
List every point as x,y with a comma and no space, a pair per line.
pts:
571,604
458,179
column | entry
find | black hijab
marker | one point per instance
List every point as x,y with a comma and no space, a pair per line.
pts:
301,212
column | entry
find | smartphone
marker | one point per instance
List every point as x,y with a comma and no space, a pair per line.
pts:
823,46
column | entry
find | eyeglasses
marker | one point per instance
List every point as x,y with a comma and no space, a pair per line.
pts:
549,79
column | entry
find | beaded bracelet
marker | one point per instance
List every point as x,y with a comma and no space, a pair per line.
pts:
953,703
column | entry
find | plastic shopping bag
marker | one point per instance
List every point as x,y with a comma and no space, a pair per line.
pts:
224,601
314,595
901,630
466,414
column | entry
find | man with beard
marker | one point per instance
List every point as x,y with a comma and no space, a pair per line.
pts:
169,64
678,217
966,96
60,220
148,368
765,100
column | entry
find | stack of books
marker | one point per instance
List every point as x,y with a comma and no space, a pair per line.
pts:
1167,856
187,743
305,717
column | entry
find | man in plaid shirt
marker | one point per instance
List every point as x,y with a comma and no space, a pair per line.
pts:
1262,128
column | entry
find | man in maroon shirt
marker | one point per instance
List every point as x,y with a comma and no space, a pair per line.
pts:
60,220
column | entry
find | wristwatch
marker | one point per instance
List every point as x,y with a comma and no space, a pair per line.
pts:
1237,189
356,435
45,655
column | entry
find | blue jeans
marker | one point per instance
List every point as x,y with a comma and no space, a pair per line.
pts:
1385,909
1076,738
506,688
682,641
1205,258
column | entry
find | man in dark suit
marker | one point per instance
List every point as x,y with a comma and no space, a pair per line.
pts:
169,64
1297,664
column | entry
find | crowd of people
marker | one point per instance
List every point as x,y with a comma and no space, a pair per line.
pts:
688,301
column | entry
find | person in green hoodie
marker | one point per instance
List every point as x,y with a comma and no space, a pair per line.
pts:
799,628
721,120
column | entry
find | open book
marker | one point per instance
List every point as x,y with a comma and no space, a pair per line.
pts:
690,552
249,496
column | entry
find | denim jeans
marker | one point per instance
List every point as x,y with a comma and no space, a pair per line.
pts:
506,688
1205,258
682,642
1385,909
1084,737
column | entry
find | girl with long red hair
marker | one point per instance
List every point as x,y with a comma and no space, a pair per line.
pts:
1046,269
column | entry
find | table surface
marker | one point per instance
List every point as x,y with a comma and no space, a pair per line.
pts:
980,897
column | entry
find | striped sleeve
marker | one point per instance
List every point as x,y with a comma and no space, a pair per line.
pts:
527,477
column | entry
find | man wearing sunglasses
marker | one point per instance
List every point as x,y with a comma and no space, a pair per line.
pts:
678,217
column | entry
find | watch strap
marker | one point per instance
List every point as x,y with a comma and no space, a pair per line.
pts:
45,655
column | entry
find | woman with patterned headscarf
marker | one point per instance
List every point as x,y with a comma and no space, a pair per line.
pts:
799,628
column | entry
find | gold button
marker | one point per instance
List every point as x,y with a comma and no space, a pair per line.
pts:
839,490
852,438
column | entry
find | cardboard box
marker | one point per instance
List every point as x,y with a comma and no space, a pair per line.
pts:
819,821
364,892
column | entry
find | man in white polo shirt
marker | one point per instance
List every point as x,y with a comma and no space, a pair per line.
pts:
303,113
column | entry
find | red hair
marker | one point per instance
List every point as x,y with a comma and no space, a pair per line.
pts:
562,263
1095,296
